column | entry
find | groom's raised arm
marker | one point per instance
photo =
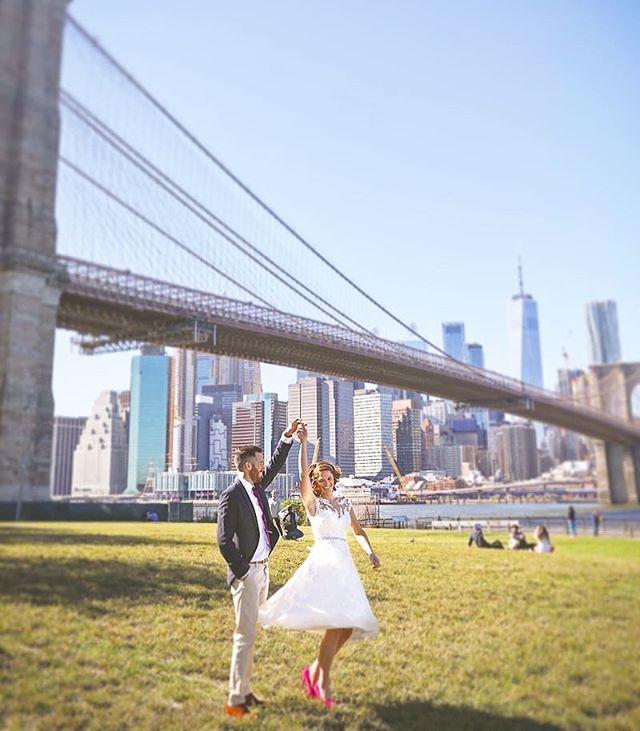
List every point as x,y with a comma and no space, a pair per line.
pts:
280,454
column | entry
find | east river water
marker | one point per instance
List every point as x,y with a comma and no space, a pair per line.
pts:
469,510
617,520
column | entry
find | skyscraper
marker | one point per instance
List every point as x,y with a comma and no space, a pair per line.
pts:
275,422
524,337
224,396
248,424
372,432
246,373
453,340
338,402
517,453
66,435
406,416
301,373
259,420
219,436
204,414
437,410
221,370
205,370
475,356
306,398
148,416
182,456
604,340
100,459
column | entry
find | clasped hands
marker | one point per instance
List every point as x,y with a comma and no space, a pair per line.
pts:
302,433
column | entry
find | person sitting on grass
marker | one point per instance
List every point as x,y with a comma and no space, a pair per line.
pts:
517,539
291,530
477,537
543,542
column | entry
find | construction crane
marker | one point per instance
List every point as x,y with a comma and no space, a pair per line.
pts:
398,474
392,462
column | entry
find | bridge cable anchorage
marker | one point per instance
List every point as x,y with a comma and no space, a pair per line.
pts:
246,189
192,204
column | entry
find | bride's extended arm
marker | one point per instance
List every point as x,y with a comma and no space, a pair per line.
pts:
308,498
363,540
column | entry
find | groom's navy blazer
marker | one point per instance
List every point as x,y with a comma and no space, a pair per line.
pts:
238,533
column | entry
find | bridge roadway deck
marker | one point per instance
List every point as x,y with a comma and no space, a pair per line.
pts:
123,306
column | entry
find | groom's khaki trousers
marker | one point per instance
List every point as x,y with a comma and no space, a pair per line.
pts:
247,596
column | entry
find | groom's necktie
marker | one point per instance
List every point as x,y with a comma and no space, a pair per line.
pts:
264,517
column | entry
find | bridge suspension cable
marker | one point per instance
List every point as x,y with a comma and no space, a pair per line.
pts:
198,209
235,238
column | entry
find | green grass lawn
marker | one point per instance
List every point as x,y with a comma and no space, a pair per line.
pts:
128,626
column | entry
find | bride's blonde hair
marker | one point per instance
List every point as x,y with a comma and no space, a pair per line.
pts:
317,468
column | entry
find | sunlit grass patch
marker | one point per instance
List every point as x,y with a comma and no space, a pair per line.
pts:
128,626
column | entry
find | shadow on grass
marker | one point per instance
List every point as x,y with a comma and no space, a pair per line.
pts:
10,535
424,715
85,583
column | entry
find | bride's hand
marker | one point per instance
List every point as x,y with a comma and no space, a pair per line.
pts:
375,561
302,433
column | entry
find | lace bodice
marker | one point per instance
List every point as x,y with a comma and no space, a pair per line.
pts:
331,519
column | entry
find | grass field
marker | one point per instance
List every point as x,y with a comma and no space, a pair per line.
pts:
127,626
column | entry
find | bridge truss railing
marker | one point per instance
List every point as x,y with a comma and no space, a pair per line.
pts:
145,293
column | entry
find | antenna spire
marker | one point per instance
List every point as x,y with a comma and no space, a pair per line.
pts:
520,276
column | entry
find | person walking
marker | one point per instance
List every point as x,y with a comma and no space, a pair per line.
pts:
274,509
246,536
596,521
571,521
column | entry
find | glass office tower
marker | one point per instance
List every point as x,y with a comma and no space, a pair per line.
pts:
148,416
453,340
604,339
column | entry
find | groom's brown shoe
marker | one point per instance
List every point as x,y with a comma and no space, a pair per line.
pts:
237,711
252,700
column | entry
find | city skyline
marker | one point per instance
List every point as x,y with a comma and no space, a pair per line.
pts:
475,161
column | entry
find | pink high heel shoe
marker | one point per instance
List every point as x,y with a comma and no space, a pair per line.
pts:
327,702
307,684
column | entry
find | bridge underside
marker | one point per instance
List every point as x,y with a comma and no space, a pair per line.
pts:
123,322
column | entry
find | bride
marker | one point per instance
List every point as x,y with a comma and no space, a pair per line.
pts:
325,594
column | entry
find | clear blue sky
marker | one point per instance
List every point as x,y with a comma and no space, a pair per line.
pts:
422,146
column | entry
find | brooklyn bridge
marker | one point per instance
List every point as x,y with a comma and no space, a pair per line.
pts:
120,224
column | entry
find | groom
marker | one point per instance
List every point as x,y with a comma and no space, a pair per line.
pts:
246,537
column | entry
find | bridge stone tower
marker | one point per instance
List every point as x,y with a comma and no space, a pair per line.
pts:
30,285
615,389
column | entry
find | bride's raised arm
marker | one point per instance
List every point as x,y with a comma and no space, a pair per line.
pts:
308,498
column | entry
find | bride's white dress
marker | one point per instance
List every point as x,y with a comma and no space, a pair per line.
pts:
325,592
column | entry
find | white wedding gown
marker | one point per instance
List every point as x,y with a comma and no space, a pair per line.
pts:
325,592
